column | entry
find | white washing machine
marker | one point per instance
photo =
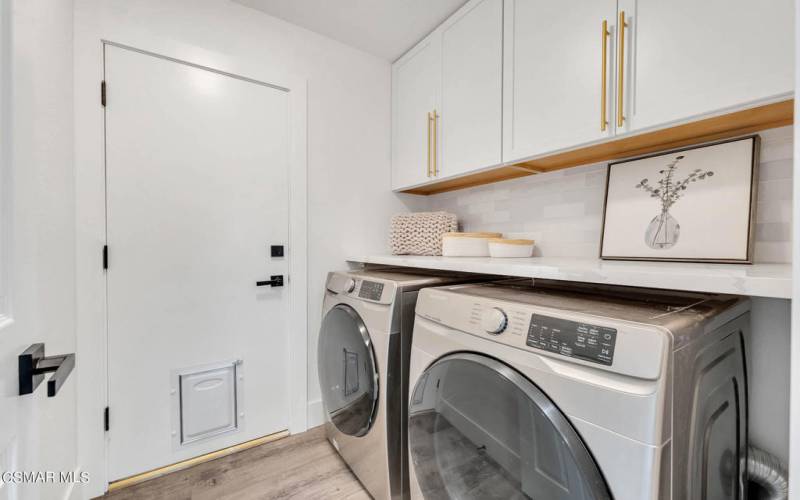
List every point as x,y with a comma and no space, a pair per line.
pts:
556,392
363,352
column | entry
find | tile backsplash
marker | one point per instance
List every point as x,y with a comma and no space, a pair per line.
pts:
563,210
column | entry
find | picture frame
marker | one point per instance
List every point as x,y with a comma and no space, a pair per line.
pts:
689,204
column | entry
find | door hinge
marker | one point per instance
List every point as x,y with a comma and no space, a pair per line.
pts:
105,257
103,93
106,423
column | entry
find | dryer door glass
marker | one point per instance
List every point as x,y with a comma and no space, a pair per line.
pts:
347,371
479,429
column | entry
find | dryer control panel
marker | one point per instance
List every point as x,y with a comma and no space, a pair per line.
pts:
357,287
571,338
371,290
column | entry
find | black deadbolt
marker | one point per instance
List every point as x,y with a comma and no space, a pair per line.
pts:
276,250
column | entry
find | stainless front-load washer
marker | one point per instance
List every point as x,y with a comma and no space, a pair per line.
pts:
577,392
364,346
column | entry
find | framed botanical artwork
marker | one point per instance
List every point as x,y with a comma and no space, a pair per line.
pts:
692,204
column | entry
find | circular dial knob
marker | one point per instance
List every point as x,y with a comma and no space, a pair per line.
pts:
349,285
494,320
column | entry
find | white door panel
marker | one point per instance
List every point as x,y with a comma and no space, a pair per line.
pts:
553,75
686,58
416,81
37,243
197,190
472,66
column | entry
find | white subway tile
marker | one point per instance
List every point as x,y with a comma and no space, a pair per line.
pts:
778,169
495,217
776,150
562,210
481,208
774,191
774,211
764,251
773,232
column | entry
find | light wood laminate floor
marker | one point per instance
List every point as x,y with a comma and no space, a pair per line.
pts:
302,466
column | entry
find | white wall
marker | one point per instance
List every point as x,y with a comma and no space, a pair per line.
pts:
41,280
348,141
563,212
768,358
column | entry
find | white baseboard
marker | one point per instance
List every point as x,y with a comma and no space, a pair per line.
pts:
316,413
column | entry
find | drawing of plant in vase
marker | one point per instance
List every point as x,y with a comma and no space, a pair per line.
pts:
663,231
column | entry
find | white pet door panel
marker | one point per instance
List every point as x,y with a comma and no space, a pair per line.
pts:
208,402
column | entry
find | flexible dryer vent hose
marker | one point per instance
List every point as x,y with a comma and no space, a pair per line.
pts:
768,472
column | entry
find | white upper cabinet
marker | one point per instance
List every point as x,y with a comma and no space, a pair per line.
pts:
416,81
504,81
555,86
470,118
687,58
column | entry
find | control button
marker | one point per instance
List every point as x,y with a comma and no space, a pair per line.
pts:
349,285
494,321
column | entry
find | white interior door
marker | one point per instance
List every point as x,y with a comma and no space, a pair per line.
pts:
37,246
197,191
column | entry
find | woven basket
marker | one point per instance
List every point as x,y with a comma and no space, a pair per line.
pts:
420,233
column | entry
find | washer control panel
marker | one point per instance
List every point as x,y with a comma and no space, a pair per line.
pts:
573,339
557,329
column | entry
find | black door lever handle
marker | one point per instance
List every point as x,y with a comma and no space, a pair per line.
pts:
33,365
276,280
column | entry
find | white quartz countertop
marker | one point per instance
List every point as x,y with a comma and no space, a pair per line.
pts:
760,280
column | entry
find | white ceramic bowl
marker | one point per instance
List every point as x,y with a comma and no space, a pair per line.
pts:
499,247
467,244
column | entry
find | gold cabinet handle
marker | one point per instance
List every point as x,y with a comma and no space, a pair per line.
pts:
430,118
621,67
435,143
603,76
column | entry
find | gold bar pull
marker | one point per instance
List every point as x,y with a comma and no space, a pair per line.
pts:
430,118
603,76
621,66
435,143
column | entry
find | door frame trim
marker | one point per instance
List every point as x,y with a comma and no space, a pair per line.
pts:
90,210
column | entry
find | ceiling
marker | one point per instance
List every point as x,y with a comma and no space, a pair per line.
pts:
385,28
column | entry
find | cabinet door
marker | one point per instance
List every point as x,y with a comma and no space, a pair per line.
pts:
553,75
470,120
416,81
685,58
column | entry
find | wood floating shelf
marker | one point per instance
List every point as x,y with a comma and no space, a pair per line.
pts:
709,129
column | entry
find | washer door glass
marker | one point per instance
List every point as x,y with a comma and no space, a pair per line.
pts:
347,371
479,429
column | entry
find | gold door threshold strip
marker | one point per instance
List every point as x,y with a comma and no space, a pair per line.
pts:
162,471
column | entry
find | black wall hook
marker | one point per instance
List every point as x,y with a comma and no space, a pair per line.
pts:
33,365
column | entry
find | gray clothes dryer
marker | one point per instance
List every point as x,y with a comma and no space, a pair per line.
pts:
363,353
570,392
